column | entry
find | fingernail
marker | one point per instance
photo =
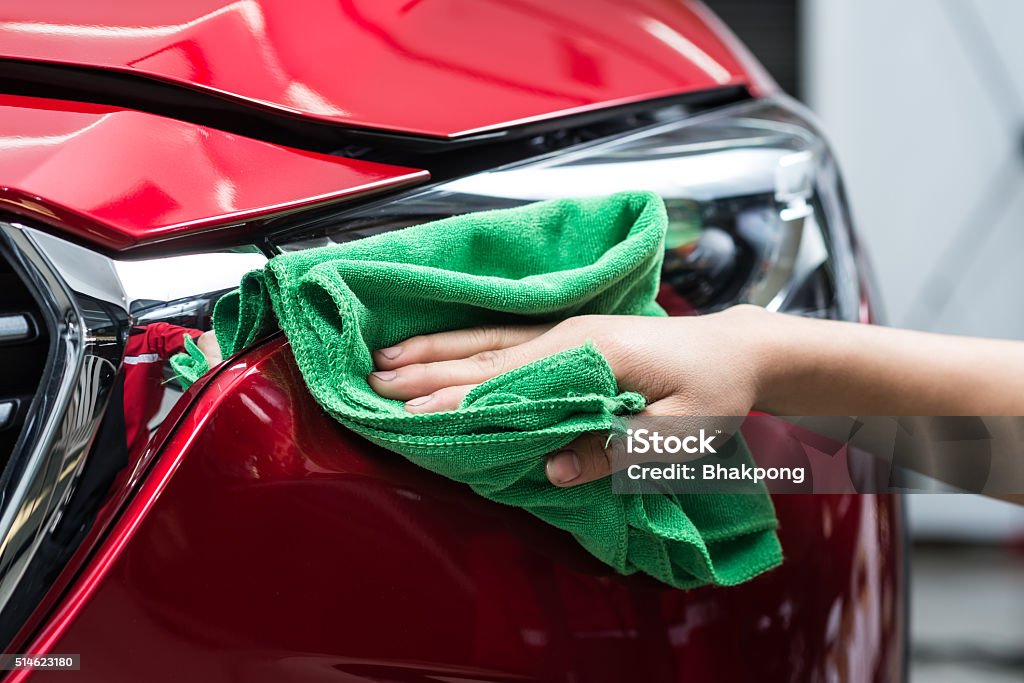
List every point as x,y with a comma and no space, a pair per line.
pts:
419,400
391,352
385,375
563,467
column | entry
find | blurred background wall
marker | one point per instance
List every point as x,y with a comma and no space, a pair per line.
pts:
924,104
923,101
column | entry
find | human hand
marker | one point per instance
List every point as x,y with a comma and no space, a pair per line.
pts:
704,365
207,343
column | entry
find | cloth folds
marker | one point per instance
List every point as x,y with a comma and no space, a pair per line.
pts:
542,262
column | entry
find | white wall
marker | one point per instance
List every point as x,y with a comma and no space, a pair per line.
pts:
924,103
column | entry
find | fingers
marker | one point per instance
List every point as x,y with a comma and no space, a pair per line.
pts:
429,348
420,379
447,398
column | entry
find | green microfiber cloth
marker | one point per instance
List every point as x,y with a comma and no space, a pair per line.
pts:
541,262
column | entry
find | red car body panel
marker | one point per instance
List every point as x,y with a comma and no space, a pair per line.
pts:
434,67
257,539
121,178
269,543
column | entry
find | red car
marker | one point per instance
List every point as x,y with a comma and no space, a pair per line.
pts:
151,153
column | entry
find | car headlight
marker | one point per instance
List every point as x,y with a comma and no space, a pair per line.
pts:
755,209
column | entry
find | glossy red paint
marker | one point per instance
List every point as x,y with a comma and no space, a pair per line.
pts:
269,543
434,67
185,418
122,178
126,485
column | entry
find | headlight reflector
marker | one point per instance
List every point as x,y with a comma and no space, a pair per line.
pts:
750,191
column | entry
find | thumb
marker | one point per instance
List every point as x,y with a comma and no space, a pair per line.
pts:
592,455
598,454
584,460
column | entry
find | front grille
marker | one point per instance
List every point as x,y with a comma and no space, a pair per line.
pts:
64,322
24,345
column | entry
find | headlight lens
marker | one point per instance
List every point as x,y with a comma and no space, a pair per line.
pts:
755,211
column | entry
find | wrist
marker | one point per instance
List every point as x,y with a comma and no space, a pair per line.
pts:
767,345
751,333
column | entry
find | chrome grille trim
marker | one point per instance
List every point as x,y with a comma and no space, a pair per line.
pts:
48,453
89,303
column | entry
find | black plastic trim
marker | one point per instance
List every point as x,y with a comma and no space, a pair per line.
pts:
146,93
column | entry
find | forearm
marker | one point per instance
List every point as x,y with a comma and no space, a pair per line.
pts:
816,367
720,364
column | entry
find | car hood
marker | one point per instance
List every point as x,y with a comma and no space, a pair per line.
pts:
442,68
